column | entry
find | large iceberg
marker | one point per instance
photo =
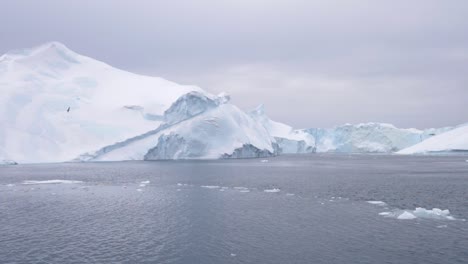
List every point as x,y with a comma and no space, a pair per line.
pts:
198,126
453,141
56,104
289,140
368,138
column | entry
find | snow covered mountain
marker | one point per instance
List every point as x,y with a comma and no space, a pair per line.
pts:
289,140
198,126
455,140
369,138
56,104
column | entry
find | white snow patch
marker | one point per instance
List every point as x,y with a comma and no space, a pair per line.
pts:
51,182
139,190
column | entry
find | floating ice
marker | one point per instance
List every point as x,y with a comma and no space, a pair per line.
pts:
264,161
435,213
142,185
210,186
442,226
145,182
420,212
233,255
275,190
406,216
52,182
379,203
139,190
10,185
244,191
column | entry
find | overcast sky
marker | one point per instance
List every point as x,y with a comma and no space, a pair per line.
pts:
312,63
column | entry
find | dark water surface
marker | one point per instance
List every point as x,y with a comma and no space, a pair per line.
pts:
319,214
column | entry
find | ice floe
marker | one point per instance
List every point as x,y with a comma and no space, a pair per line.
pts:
275,190
264,161
379,203
210,186
420,212
51,182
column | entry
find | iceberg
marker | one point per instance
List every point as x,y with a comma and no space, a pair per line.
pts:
198,126
453,141
56,104
7,162
368,138
289,140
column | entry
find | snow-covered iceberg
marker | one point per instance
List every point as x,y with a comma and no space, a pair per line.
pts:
7,162
368,138
56,104
289,140
198,126
453,141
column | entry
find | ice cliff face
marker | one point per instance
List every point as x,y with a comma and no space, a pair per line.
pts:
56,104
199,126
289,140
453,141
368,138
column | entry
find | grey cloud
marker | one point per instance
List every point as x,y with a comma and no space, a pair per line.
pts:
313,63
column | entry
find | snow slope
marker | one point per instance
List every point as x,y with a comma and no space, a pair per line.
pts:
199,126
369,138
289,140
455,140
106,105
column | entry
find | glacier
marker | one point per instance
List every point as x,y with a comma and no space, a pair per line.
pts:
453,141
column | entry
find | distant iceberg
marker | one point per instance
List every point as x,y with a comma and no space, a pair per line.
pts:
453,141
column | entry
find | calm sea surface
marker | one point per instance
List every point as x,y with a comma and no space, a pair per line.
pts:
291,209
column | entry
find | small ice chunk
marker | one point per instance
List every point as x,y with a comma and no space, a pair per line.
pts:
210,186
51,182
406,216
385,213
290,194
145,182
264,161
442,226
244,191
275,190
139,190
435,213
10,185
142,185
179,184
233,255
379,203
241,188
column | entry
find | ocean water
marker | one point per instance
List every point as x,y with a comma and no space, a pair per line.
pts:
288,209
